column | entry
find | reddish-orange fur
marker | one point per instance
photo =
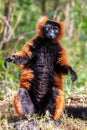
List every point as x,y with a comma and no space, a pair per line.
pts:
17,105
26,78
25,51
59,105
63,60
59,81
40,24
61,24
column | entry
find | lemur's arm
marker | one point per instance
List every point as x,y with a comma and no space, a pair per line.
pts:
22,57
64,66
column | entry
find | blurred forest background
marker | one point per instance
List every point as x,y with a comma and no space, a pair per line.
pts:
18,20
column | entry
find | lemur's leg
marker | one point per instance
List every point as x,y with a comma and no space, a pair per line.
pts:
56,103
23,103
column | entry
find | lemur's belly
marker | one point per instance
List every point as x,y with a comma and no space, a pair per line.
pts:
43,78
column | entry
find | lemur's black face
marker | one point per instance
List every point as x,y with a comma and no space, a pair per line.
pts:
51,30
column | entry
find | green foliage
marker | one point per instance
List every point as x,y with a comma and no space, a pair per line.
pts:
80,16
29,14
26,14
77,57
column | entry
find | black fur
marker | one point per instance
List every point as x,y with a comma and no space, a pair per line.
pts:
51,30
17,60
77,112
42,63
42,92
26,101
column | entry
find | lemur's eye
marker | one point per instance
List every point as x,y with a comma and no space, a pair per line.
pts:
47,28
56,30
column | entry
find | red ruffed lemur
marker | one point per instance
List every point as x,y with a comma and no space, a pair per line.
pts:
43,61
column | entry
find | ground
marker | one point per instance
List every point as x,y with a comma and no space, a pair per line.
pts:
9,120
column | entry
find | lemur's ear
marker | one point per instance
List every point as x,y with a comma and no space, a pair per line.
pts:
62,31
42,21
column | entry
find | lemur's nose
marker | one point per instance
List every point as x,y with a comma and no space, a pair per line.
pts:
51,34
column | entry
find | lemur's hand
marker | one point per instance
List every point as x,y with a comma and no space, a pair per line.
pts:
73,74
9,59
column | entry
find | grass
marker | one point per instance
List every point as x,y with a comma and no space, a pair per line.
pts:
43,124
8,118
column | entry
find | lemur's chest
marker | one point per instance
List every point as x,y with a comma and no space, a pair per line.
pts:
46,51
45,56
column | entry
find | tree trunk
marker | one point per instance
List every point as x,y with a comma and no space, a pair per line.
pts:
43,7
8,13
